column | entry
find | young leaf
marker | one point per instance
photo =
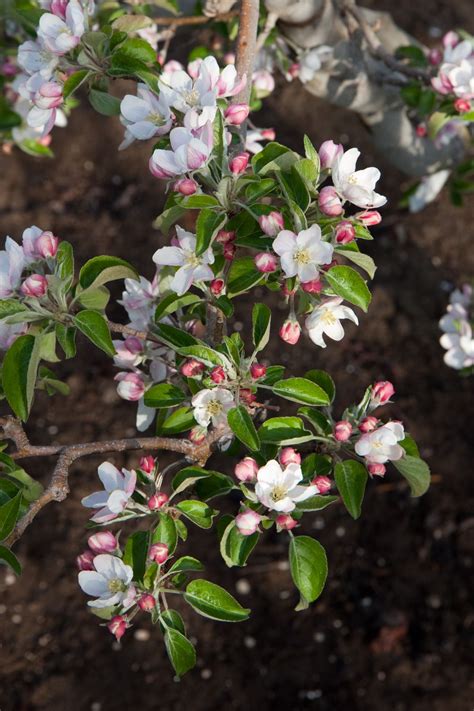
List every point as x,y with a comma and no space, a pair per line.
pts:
7,556
316,503
95,328
242,426
173,302
136,552
65,261
261,318
164,395
348,283
180,651
175,337
104,103
74,81
351,479
8,516
212,601
179,421
301,390
208,224
243,275
186,564
416,472
100,270
20,368
236,548
197,511
324,380
309,566
284,430
166,533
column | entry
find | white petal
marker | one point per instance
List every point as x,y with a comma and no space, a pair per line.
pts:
285,241
117,501
271,473
92,583
96,500
110,476
169,256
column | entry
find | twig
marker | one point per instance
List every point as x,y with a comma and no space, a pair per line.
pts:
246,47
195,19
272,19
215,325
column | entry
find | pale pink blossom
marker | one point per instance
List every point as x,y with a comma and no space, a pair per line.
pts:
191,268
247,522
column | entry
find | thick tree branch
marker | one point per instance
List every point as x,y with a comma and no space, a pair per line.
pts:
246,47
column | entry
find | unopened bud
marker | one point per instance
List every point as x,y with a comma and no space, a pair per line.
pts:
266,262
146,602
328,152
217,374
197,434
118,626
257,370
369,218
46,245
239,163
329,202
224,236
157,501
344,232
147,464
131,386
323,483
246,470
159,553
229,251
376,469
102,542
435,56
217,286
285,522
368,424
381,393
247,396
315,286
421,130
185,186
192,368
290,332
288,455
85,561
247,522
272,223
462,106
34,286
342,430
236,114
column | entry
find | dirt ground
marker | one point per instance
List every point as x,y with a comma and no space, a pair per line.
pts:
393,630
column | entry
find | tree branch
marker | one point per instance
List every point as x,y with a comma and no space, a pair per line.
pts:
195,19
246,47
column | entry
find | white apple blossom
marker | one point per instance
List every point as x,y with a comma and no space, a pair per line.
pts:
381,445
33,57
311,62
191,267
279,489
253,139
326,320
428,190
139,300
10,332
456,73
459,347
12,263
455,315
302,254
118,488
109,583
144,115
25,132
462,296
60,36
356,186
212,406
190,150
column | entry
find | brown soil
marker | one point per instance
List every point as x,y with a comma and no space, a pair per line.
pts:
394,627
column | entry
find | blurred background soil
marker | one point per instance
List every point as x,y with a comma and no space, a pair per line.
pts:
393,629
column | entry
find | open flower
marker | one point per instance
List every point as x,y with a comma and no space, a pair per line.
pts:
381,445
33,57
302,254
326,319
109,583
191,267
190,151
459,346
12,262
356,186
312,61
60,36
118,488
279,489
212,406
139,301
144,115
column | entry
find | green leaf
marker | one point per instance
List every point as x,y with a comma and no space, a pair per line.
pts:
138,49
9,307
322,425
362,260
261,319
208,223
310,151
9,515
351,479
284,430
95,299
180,651
95,328
207,355
74,81
316,503
171,618
301,390
8,118
197,511
188,477
166,532
168,217
236,548
186,564
7,556
242,426
34,148
100,270
416,472
180,420
315,465
309,566
104,103
348,283
136,553
131,23
243,275
212,601
324,380
198,202
163,395
273,157
20,368
66,336
273,374
175,337
173,302
65,261
216,484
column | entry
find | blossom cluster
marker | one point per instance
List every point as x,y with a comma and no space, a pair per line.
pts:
457,325
455,70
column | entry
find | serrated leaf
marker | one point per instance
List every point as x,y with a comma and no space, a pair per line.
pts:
210,600
100,270
94,326
197,511
242,426
243,275
308,565
236,548
7,556
164,395
284,430
8,515
301,390
180,651
348,283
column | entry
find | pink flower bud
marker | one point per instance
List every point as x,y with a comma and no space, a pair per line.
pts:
127,351
217,286
58,7
157,171
185,186
268,134
294,70
288,455
147,464
368,424
49,96
342,430
369,218
266,262
102,542
159,553
434,57
34,286
239,163
192,368
344,232
421,130
224,236
146,602
285,522
329,202
257,371
272,223
131,386
85,561
382,391
229,251
118,626
450,39
46,245
328,152
157,501
323,483
312,287
462,106
197,434
247,396
247,522
236,114
218,374
376,469
290,332
246,470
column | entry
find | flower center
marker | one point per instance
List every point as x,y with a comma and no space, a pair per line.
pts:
192,97
214,407
156,118
278,493
116,585
352,179
191,260
302,256
328,317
